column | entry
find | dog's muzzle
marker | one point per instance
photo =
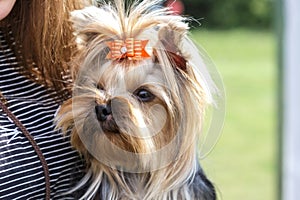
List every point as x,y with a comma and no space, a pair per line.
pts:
105,117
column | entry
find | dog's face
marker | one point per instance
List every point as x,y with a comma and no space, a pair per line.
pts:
131,105
135,114
126,108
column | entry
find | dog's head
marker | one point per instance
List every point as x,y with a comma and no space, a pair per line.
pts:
140,88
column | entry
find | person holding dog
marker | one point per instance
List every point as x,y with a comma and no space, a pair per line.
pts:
36,161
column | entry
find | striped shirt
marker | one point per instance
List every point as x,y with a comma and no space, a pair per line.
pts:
21,172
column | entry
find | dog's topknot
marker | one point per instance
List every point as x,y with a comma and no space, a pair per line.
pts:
119,21
142,20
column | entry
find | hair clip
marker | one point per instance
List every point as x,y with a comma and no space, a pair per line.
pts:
130,48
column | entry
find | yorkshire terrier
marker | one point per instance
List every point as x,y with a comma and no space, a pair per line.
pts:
139,98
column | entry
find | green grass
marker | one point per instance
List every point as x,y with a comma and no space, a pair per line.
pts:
243,163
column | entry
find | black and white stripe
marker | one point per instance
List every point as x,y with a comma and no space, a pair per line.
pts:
21,173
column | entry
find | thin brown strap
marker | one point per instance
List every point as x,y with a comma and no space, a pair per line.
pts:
34,145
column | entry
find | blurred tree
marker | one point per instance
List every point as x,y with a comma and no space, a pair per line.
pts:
231,13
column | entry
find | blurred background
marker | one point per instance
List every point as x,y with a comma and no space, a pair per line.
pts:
240,37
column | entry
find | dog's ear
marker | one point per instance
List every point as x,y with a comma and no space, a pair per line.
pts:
81,19
184,56
93,22
171,39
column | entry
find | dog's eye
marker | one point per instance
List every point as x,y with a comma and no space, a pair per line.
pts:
144,95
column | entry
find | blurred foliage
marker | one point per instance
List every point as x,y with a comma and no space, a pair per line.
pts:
227,14
243,165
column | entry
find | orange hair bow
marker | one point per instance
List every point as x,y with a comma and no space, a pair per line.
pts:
130,48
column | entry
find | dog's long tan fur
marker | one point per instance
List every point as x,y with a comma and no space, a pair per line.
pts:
180,96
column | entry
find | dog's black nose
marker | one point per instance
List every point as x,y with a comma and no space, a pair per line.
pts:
102,111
